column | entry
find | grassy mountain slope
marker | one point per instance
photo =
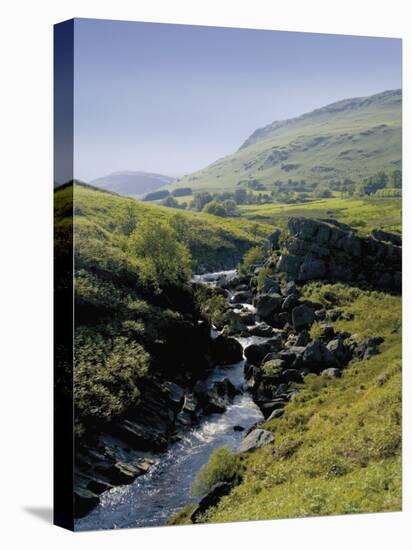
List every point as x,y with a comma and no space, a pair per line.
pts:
133,184
353,138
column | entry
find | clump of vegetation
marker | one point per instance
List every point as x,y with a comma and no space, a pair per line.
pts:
253,256
273,368
212,306
106,375
316,331
223,465
161,259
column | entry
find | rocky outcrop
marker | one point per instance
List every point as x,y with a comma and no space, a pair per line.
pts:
314,249
255,440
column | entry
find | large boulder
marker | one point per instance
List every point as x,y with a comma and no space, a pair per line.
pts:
261,329
317,357
268,304
289,288
270,286
303,338
289,302
226,350
332,372
242,297
339,350
302,316
255,353
175,394
289,264
255,440
312,269
368,347
267,407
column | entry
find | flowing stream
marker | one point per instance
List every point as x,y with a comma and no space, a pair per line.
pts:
152,498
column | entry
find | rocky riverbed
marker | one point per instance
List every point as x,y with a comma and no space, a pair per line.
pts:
257,360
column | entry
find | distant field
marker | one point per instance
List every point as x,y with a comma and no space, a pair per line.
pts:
365,214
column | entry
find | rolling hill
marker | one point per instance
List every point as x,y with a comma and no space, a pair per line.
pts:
352,138
133,184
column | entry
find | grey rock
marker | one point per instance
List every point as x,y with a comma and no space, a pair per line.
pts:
332,372
289,264
302,316
312,269
303,338
261,329
277,413
242,297
393,238
267,305
292,375
338,349
289,302
175,394
270,286
289,288
218,491
226,351
255,440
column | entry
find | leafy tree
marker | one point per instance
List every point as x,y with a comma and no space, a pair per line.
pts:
201,199
130,220
161,258
182,227
396,179
231,207
241,196
215,207
170,202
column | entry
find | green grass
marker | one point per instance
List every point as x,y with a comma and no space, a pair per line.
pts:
337,449
104,220
356,143
363,214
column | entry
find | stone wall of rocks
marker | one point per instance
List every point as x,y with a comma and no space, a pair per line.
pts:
329,250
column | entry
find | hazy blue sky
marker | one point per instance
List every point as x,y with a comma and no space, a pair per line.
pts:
174,98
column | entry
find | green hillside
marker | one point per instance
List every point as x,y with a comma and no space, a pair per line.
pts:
337,448
353,138
104,221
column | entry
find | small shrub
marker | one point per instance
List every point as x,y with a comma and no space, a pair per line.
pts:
223,465
106,375
316,331
253,256
273,368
